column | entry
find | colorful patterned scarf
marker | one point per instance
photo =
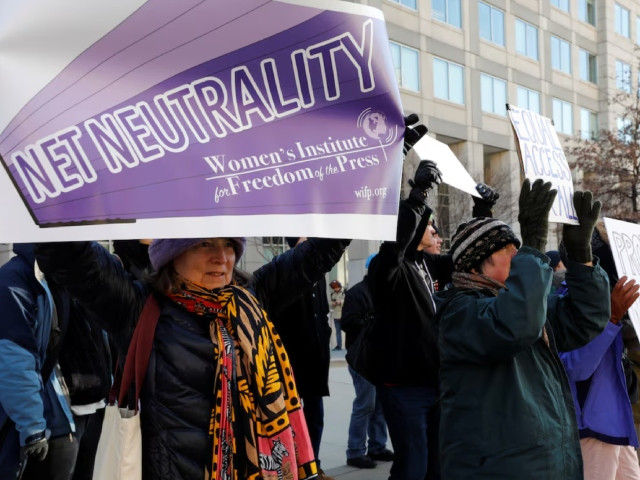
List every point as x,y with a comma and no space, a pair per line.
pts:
257,423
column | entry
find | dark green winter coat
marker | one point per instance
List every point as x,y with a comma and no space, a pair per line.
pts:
507,410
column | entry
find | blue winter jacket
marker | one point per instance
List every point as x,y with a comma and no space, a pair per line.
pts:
25,326
599,389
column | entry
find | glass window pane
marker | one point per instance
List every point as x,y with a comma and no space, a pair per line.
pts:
534,101
486,93
591,12
454,13
532,42
410,75
438,10
456,84
521,38
440,79
484,19
565,56
555,53
584,65
497,26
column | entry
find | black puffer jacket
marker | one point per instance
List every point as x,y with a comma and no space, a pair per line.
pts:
177,396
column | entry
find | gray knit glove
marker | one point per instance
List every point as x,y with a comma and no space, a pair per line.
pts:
577,238
535,203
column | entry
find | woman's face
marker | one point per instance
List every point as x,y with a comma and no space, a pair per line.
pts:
208,264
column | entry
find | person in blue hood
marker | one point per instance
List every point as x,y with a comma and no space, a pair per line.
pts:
35,419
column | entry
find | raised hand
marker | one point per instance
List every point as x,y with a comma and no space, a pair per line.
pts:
483,207
412,133
535,203
622,297
577,238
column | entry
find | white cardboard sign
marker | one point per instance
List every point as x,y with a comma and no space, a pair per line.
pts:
453,172
624,238
541,156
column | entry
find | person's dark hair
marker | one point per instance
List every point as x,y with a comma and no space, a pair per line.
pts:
162,280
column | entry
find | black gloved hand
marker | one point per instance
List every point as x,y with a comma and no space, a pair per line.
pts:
412,134
535,203
483,207
427,175
35,449
577,238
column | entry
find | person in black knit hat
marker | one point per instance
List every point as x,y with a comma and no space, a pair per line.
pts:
506,406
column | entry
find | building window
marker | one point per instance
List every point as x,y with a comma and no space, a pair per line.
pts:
526,39
623,76
407,66
562,116
624,129
448,82
561,4
494,94
407,3
588,71
587,11
560,54
588,124
273,246
621,16
491,23
528,99
447,11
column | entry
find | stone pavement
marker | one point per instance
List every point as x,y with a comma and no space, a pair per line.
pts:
337,412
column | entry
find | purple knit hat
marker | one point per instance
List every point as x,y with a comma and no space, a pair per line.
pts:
162,251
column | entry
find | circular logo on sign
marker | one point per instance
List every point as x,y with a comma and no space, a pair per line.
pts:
375,125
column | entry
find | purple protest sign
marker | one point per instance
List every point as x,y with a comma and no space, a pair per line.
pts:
215,109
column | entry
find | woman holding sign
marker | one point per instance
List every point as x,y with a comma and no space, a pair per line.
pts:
218,397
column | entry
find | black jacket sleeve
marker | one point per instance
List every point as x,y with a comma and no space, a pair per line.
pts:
292,273
98,281
385,268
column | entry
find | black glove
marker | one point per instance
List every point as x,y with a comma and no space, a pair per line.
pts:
535,202
577,238
412,134
483,207
35,449
427,175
